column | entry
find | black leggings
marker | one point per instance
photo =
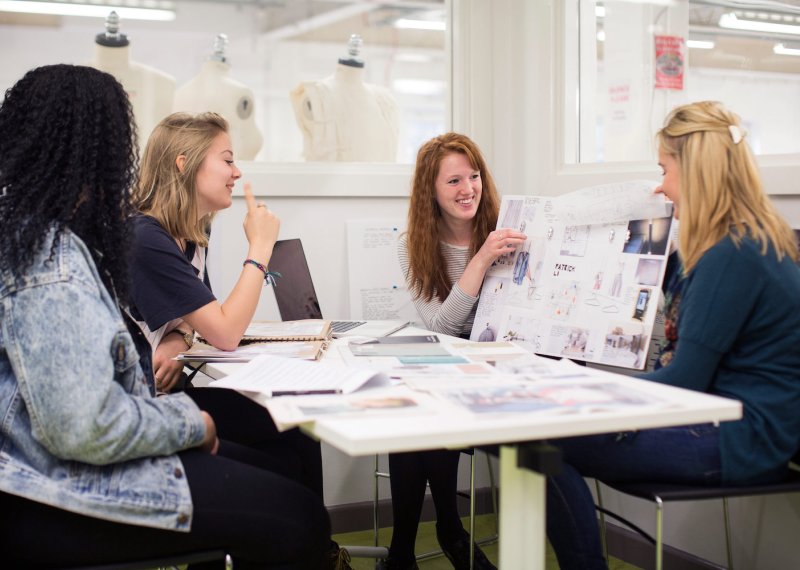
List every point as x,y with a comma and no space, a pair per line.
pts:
410,474
261,518
241,420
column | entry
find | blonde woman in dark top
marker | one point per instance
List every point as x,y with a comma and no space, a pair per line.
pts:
734,333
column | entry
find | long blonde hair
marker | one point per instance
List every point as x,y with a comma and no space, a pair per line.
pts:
164,191
721,193
427,269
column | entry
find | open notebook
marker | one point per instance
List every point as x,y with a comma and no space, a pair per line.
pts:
297,298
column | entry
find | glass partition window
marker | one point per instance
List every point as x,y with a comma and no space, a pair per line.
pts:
637,59
286,73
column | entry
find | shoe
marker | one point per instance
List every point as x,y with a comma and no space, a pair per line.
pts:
394,564
457,552
338,558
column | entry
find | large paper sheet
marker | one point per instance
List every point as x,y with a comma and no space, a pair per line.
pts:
377,286
581,289
277,376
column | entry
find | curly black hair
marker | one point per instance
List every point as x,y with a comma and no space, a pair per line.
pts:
68,159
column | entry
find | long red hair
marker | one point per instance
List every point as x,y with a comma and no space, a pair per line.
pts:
427,271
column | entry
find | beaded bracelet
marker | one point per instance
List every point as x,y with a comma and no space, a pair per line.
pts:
269,276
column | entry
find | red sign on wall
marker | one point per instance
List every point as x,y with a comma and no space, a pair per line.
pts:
669,62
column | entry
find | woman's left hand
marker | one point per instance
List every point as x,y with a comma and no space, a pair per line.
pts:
167,372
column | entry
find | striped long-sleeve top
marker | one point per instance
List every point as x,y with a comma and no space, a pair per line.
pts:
456,314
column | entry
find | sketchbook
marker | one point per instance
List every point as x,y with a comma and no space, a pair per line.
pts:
302,349
306,329
273,331
586,283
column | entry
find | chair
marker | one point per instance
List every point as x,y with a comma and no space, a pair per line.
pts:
471,496
661,493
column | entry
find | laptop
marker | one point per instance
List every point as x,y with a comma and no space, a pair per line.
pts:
297,298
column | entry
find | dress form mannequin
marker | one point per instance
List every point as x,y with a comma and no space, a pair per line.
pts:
213,90
344,119
150,91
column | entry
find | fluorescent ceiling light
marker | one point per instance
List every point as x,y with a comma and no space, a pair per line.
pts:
600,11
419,86
700,44
601,35
85,10
413,58
731,22
781,49
407,24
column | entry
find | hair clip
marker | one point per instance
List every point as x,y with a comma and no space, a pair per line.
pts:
736,134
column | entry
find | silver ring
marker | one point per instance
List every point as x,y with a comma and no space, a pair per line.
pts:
261,205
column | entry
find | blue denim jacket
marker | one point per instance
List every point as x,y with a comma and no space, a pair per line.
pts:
80,429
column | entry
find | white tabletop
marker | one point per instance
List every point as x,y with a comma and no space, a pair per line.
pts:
522,508
375,434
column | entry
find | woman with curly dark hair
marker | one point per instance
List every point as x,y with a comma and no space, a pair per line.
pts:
93,466
449,246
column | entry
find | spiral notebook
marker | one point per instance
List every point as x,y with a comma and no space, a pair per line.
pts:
305,329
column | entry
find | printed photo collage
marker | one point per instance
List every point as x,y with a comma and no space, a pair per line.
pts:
584,292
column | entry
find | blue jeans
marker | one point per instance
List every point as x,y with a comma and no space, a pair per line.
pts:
687,454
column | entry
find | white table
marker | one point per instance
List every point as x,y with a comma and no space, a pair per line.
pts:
522,505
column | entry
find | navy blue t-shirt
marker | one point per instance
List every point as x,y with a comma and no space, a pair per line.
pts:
164,283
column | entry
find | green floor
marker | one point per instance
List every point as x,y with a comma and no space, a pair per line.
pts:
426,542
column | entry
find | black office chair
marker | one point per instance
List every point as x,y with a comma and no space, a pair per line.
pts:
661,493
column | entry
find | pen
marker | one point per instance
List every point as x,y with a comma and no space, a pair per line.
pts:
304,392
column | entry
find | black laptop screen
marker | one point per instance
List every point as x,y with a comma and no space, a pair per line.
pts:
294,291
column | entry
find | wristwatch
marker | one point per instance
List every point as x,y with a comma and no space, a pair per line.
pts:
188,337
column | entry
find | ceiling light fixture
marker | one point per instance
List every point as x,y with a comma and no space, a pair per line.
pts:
85,10
700,44
731,22
407,24
419,86
782,49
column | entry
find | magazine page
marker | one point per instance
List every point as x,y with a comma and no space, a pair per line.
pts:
585,291
380,403
520,394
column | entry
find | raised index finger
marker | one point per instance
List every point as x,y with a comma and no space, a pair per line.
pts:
249,198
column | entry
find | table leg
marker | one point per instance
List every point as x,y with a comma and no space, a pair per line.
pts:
522,514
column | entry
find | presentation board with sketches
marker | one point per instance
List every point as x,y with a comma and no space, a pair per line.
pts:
586,283
377,286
